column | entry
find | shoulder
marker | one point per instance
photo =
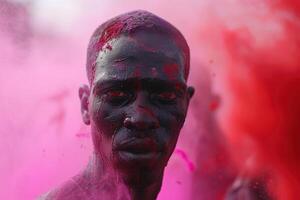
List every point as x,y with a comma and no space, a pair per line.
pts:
69,190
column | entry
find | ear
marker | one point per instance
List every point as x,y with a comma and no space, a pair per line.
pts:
190,91
84,93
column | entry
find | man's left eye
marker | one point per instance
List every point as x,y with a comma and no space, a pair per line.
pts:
166,97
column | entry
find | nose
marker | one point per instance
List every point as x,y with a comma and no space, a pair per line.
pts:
141,118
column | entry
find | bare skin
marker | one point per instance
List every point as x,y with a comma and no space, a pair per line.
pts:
136,107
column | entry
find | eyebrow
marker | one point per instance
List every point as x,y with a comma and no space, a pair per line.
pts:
148,83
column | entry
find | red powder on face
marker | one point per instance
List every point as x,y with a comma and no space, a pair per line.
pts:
128,23
170,70
110,32
109,47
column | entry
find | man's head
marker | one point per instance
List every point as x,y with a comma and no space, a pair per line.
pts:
137,66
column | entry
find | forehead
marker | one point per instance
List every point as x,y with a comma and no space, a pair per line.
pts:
141,55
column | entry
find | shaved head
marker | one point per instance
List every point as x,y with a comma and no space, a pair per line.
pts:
127,24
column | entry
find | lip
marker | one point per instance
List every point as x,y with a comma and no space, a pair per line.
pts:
138,149
129,156
138,146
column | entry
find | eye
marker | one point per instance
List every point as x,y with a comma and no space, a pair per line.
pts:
167,97
116,97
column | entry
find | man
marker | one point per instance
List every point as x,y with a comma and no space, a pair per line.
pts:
136,104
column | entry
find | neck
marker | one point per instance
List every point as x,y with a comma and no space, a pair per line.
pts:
146,193
106,179
145,190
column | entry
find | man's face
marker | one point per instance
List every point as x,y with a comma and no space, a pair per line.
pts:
138,101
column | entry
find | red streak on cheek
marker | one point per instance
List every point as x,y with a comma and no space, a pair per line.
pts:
171,70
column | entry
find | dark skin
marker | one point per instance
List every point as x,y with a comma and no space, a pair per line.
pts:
136,107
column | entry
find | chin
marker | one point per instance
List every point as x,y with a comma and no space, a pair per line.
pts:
141,177
132,161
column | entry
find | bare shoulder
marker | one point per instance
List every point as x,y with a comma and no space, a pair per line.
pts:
83,187
69,190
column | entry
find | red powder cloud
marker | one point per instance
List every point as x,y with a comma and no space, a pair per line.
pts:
261,118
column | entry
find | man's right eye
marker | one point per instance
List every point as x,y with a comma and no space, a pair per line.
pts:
116,97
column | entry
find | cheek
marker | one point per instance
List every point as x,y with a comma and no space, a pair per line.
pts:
104,123
175,116
106,118
172,121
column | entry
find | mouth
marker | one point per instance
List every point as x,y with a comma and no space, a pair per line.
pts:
130,156
138,149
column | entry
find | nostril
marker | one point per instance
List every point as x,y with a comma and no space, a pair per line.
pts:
128,123
140,124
